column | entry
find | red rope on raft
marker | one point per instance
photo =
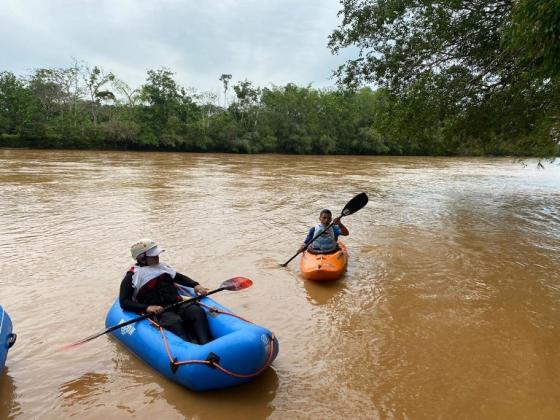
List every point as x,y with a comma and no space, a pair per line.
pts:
215,364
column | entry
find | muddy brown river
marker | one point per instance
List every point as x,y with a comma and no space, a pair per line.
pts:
450,308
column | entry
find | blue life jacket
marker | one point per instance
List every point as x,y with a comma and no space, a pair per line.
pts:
326,242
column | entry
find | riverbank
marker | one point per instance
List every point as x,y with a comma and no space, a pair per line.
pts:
59,143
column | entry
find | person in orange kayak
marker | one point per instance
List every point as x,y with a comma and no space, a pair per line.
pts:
149,285
326,241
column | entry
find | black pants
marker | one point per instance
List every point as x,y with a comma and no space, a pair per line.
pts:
188,322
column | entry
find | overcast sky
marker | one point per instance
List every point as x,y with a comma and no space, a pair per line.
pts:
265,41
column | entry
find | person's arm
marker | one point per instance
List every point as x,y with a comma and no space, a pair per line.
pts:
125,296
343,229
184,280
187,281
310,235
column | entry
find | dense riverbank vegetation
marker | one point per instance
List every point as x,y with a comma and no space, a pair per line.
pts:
454,78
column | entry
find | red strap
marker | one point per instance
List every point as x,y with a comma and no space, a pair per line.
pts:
206,362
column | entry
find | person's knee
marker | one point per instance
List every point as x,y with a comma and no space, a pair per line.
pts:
169,318
193,312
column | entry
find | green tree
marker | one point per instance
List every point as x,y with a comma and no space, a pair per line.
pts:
225,79
246,107
291,112
18,108
534,35
44,86
131,97
454,59
60,95
402,41
95,79
161,94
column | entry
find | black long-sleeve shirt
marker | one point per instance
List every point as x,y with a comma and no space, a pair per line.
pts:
126,292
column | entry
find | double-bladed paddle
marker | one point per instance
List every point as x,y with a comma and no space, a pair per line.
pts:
351,207
234,284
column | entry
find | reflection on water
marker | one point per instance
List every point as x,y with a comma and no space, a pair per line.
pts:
84,390
148,392
9,407
449,307
132,388
254,397
320,293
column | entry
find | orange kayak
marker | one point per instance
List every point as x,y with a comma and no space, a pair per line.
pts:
324,267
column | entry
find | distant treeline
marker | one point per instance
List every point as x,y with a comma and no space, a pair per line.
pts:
86,107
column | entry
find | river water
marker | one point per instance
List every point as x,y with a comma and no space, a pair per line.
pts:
450,307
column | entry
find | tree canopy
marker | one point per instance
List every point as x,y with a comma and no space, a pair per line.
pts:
487,70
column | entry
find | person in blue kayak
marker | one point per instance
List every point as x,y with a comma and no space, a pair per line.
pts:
326,241
149,285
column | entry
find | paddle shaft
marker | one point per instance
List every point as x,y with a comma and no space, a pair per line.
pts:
141,317
165,308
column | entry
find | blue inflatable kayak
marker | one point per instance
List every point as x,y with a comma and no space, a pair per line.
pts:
7,338
239,352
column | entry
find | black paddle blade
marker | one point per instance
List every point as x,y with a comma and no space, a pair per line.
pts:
355,204
236,283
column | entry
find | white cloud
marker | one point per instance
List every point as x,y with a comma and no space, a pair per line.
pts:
266,42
